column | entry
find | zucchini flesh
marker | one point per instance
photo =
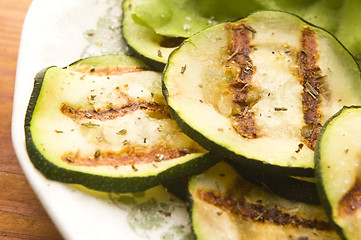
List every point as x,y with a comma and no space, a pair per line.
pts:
103,122
261,88
338,170
225,206
144,41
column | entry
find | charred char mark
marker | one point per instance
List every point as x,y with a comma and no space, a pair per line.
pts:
114,112
245,125
351,201
239,51
130,155
258,213
311,76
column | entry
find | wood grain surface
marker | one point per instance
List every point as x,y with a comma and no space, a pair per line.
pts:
21,214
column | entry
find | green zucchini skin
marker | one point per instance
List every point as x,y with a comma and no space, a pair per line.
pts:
285,186
140,179
206,57
334,182
143,42
226,206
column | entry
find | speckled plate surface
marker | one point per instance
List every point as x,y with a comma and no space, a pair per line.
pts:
59,32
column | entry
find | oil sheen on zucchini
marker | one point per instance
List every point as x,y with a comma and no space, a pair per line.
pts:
103,122
338,171
225,206
258,90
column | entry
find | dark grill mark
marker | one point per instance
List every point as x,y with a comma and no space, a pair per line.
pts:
259,213
351,201
115,112
311,76
239,53
128,156
246,126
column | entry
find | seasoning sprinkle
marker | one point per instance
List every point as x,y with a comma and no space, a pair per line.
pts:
311,90
97,153
134,168
90,125
122,132
280,109
183,69
159,157
69,159
154,164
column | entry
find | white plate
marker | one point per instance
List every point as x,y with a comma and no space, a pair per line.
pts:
59,32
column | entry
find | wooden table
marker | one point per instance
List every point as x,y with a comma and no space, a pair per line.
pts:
21,214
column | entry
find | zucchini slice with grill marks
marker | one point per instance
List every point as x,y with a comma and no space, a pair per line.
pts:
259,89
225,206
103,122
338,171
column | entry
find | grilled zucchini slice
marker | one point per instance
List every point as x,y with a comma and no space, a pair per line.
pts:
225,206
258,90
103,122
338,159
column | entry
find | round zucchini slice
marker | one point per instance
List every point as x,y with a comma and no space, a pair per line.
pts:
151,47
258,90
225,206
103,122
338,160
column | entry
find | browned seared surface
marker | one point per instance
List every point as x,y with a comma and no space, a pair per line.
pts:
239,51
351,201
130,155
113,111
258,212
311,77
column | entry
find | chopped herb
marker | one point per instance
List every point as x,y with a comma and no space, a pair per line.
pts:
280,109
134,168
69,159
58,131
311,90
183,69
97,153
122,132
90,33
249,28
233,54
184,151
90,125
300,146
92,70
159,157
